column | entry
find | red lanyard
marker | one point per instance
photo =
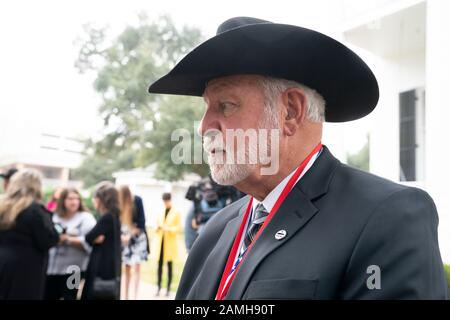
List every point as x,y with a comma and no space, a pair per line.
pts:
224,285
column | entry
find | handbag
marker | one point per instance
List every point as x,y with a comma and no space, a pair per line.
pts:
106,289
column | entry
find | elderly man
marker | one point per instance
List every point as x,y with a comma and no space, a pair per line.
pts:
313,228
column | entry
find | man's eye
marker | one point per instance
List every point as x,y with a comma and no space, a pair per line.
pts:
227,108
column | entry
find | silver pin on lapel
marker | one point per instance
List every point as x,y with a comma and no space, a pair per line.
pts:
280,234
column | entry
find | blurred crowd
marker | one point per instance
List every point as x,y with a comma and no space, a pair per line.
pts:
59,250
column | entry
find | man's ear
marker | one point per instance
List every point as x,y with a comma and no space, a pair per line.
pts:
294,112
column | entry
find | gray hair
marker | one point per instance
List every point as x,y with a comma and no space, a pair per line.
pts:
273,87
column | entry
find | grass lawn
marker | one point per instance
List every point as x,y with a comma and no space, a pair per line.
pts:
447,271
149,268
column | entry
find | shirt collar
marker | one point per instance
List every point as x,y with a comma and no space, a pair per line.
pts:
271,198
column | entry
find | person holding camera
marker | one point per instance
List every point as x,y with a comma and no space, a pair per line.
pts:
208,206
208,197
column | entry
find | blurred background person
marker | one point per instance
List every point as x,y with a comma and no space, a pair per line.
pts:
207,198
103,272
53,202
208,206
168,227
102,279
134,237
7,176
71,220
190,230
26,234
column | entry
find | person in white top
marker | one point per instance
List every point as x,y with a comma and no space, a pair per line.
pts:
67,258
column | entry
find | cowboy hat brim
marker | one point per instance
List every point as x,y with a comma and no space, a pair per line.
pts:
289,52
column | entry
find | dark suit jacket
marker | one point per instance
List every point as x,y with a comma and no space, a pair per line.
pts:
105,259
339,221
24,254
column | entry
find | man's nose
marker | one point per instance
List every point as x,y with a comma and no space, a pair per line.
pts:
208,123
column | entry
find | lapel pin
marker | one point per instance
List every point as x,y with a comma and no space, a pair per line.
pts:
280,234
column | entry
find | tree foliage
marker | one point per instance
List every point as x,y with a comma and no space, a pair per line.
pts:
361,159
136,125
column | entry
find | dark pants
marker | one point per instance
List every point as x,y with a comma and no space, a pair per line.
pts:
56,288
160,268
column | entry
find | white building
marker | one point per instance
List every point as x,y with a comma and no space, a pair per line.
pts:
51,154
407,45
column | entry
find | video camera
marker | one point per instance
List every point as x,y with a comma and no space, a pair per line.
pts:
209,190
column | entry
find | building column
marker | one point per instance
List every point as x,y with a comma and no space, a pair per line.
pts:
65,176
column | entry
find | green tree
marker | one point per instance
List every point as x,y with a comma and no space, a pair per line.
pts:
136,125
175,113
361,159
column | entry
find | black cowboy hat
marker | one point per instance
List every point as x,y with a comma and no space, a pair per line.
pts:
252,46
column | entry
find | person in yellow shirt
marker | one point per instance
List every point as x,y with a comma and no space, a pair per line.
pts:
168,227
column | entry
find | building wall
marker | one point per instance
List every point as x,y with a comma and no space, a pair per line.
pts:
394,75
52,154
438,115
404,69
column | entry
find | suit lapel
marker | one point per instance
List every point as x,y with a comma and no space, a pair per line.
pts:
296,210
292,215
208,281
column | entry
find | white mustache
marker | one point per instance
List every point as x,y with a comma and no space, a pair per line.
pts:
211,144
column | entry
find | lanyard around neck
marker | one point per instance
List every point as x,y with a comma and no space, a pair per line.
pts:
227,279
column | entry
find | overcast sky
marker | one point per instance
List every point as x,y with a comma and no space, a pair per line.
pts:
40,87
